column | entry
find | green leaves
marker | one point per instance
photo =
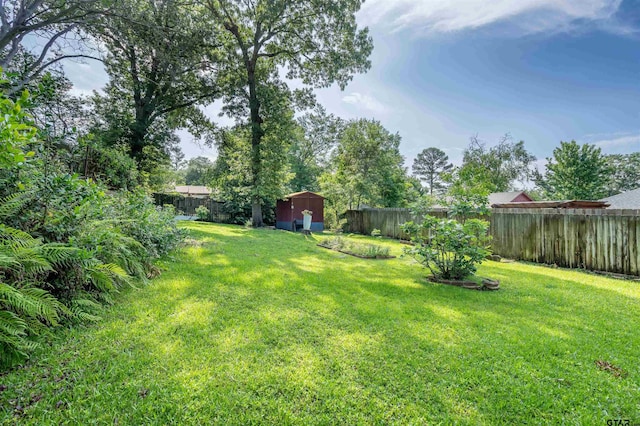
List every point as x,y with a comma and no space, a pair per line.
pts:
498,168
429,166
448,248
15,132
576,172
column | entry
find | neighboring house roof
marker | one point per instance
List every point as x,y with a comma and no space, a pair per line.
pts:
508,197
497,198
192,190
565,204
303,194
626,200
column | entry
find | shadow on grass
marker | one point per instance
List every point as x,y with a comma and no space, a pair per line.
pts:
261,326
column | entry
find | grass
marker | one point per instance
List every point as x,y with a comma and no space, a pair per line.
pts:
264,327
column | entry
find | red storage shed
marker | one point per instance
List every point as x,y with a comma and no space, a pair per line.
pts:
289,211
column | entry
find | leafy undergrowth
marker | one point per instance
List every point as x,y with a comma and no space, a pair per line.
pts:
264,327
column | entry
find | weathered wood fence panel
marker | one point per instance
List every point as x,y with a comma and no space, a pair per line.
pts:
596,239
188,206
388,221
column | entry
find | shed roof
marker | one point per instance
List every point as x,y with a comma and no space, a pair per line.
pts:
564,204
192,190
626,200
302,194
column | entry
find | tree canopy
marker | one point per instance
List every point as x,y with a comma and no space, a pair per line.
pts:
500,166
160,67
368,167
575,172
429,166
57,23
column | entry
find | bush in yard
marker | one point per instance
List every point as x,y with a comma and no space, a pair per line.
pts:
202,212
448,248
65,244
153,227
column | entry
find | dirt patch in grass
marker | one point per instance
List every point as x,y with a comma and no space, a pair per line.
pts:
610,368
485,285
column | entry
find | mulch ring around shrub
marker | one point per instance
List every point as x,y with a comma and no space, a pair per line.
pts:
487,284
357,255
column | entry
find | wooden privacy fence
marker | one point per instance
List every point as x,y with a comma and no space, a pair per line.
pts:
388,221
596,239
188,206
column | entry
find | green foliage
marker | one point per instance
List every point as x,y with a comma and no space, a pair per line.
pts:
448,248
199,171
625,172
575,173
499,167
233,175
358,249
153,227
161,67
111,165
317,136
429,166
16,135
65,245
367,169
467,197
202,212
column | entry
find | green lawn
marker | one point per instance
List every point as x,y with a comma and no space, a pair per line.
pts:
264,327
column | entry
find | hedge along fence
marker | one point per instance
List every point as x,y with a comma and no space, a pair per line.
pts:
596,239
188,206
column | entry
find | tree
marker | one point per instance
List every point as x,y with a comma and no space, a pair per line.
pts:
429,166
575,173
317,136
368,167
232,174
198,171
177,157
161,67
625,172
500,166
55,22
317,42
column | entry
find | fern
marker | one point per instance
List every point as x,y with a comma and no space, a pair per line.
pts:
20,311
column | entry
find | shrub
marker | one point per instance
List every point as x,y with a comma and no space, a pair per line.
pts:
26,263
153,227
65,245
449,249
202,212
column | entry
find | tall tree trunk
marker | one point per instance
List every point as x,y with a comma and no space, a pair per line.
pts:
256,137
139,130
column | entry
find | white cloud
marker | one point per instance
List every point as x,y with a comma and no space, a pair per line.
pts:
365,102
446,16
631,141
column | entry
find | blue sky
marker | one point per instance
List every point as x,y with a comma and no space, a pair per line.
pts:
444,70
